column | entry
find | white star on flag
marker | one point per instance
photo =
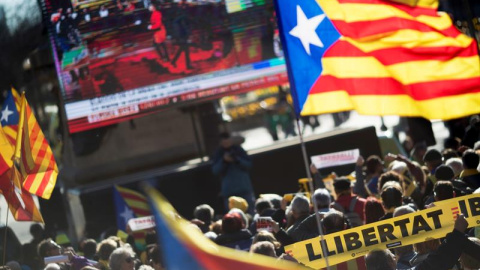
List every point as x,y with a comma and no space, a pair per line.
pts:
5,114
305,29
127,214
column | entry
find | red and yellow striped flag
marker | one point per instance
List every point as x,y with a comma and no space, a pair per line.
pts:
37,163
19,201
398,57
135,200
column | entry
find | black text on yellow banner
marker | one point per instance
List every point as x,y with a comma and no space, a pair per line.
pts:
408,229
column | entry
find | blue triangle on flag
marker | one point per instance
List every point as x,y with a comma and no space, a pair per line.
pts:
123,211
175,254
9,114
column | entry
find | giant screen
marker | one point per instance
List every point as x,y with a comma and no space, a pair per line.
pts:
117,60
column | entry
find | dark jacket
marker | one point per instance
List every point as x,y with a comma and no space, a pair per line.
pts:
286,237
447,254
471,178
234,175
241,240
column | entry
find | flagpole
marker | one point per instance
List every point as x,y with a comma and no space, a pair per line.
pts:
6,219
15,158
314,202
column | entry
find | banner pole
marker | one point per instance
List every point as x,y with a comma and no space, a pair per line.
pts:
314,202
12,174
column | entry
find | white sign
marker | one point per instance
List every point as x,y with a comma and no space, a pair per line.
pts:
336,159
142,223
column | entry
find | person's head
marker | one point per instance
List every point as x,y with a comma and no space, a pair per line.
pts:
342,186
266,236
37,231
475,121
154,257
400,211
237,202
476,146
204,212
241,214
48,248
122,258
217,227
449,153
403,210
50,266
391,195
145,267
14,265
380,260
432,159
151,238
105,248
443,190
225,140
373,210
470,159
374,165
387,177
118,241
334,221
232,223
452,143
263,247
152,7
322,198
300,206
399,167
88,267
468,262
456,164
419,150
275,199
89,248
262,204
444,172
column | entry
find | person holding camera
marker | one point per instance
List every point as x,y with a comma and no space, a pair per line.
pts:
232,164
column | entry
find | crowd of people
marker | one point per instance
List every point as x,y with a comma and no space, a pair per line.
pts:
384,188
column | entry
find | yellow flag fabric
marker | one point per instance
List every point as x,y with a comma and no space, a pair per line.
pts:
37,163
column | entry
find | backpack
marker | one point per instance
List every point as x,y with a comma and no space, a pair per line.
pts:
353,218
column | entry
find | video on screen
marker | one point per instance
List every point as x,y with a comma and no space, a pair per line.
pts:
129,57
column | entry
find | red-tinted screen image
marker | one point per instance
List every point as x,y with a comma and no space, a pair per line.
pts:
121,59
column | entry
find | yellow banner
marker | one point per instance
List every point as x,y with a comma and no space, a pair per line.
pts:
408,229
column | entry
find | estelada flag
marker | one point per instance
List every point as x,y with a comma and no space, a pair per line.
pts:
186,248
37,164
378,57
19,201
131,204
